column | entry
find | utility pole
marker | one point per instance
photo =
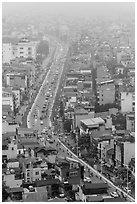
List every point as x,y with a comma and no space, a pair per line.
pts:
77,143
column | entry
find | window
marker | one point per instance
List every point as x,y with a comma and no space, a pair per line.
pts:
28,174
37,173
133,103
75,173
12,148
21,52
21,48
29,53
19,152
29,48
23,77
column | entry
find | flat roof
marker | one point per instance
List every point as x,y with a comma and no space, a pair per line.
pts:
15,190
88,185
25,129
93,121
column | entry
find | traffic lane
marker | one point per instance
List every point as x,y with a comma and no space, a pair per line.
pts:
40,91
41,88
39,104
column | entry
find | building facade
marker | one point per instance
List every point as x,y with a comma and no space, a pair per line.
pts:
106,93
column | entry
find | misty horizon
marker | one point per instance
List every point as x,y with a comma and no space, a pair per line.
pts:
72,9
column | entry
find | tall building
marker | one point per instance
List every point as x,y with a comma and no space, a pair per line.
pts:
7,54
127,102
23,49
106,92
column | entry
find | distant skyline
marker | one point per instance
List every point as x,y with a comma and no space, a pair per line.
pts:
76,9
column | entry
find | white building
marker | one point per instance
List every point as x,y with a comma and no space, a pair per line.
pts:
127,102
7,53
25,49
124,151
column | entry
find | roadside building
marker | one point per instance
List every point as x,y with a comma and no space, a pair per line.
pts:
7,97
9,126
69,170
79,115
16,80
88,190
25,132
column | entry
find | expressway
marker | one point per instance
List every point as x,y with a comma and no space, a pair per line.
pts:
38,117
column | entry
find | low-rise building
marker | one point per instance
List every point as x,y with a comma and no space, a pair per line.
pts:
9,150
7,97
92,124
69,170
87,191
16,80
11,179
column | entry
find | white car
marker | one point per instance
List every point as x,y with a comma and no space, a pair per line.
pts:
87,179
114,194
127,190
41,122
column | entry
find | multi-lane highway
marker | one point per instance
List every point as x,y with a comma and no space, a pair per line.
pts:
41,110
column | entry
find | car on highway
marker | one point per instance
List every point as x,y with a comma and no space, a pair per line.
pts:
114,194
127,190
43,111
41,122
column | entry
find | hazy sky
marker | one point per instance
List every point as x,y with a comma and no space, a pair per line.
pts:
69,8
